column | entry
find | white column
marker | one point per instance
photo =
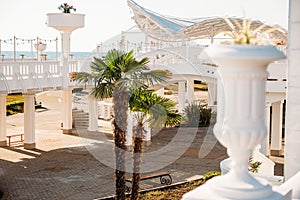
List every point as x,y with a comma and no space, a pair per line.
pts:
181,96
65,43
65,47
265,147
146,39
93,114
276,129
3,130
190,94
29,121
67,111
129,131
212,94
147,136
101,109
292,127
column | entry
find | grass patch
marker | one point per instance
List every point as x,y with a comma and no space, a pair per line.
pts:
176,192
173,193
14,104
14,98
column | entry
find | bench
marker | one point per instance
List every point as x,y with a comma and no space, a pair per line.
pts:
165,178
15,135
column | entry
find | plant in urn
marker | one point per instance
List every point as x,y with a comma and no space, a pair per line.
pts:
240,127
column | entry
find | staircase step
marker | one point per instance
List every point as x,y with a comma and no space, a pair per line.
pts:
79,112
81,123
81,127
77,109
80,119
83,116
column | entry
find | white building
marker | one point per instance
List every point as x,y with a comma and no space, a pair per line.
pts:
171,44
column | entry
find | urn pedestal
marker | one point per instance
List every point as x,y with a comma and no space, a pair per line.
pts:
65,23
240,127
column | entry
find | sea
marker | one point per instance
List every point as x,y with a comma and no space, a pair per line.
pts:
51,55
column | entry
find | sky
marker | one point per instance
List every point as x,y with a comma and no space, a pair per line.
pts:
104,19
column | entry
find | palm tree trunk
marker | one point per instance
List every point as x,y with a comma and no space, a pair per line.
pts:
137,150
120,99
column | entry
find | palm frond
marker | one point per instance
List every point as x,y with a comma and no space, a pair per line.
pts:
161,110
154,76
103,91
83,77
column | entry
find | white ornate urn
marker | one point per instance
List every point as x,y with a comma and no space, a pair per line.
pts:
240,127
40,47
65,23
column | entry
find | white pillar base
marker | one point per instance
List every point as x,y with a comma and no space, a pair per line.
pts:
29,146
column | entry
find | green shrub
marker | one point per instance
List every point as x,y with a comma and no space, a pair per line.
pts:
14,107
210,175
10,112
197,115
253,166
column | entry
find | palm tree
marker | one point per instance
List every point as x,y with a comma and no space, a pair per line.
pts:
116,76
161,112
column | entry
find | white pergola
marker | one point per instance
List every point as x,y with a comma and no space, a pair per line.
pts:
172,29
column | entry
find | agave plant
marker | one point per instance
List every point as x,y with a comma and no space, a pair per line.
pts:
245,34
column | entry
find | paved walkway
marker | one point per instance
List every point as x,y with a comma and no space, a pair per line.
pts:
81,167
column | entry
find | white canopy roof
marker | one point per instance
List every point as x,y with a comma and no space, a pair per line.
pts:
166,28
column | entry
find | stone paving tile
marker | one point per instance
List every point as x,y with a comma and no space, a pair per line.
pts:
80,167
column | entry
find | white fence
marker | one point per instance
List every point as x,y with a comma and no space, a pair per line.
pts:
22,76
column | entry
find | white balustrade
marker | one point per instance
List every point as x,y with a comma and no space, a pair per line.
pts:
73,66
26,75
